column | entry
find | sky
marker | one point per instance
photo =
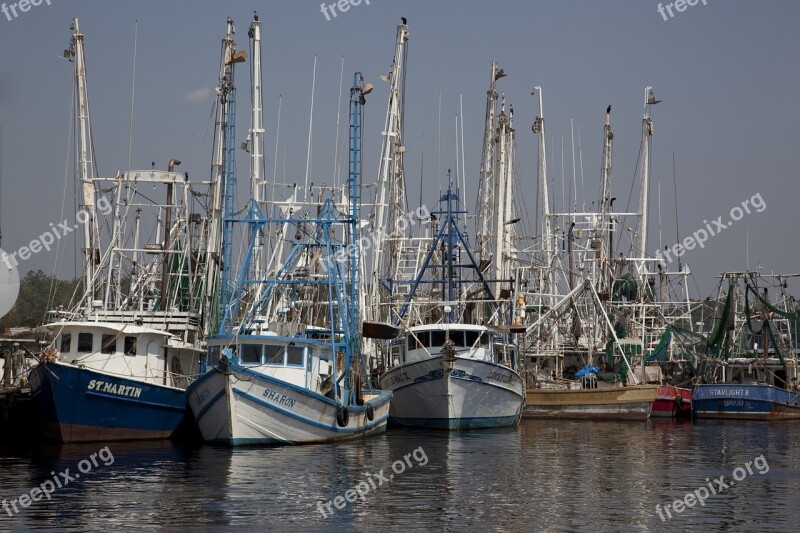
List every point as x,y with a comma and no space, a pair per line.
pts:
725,70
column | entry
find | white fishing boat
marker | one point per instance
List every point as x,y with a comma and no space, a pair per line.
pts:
285,366
451,374
452,377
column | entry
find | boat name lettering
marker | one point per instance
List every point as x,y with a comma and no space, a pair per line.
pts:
279,398
729,392
113,388
397,378
202,395
499,377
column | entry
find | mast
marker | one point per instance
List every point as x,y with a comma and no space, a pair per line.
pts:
86,168
226,175
602,249
544,199
357,101
486,186
256,145
501,204
644,190
390,201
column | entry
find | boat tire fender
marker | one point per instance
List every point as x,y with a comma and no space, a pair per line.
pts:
342,416
370,412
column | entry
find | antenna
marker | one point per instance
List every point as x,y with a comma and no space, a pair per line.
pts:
310,127
463,168
675,186
338,114
133,90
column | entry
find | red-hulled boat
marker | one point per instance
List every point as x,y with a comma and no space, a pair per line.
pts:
672,402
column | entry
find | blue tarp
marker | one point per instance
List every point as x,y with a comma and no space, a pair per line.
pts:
587,370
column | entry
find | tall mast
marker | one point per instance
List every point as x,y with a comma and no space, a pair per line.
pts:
644,190
390,201
357,101
602,247
544,198
502,182
86,168
256,146
226,174
486,186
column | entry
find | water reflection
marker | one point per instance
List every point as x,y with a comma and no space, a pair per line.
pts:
544,475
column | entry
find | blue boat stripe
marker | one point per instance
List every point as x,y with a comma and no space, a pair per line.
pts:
302,390
306,420
137,401
210,404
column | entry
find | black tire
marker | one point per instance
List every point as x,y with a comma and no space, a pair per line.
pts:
359,391
342,416
370,412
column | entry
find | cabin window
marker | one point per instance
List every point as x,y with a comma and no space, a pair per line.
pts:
412,342
85,342
66,342
274,355
438,339
130,345
294,356
213,353
109,344
251,354
472,338
424,339
457,337
484,339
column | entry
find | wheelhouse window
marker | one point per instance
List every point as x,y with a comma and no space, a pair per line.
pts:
294,356
213,353
66,342
109,344
251,354
457,337
130,345
424,340
472,338
85,342
274,355
438,339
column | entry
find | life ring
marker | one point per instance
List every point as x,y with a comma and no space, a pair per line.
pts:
342,416
370,412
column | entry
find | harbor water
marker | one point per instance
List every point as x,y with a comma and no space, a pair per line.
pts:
546,475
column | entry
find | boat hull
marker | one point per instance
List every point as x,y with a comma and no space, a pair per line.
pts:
80,405
614,403
242,407
470,394
746,402
672,402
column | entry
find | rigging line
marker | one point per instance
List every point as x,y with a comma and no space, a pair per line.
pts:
630,192
70,128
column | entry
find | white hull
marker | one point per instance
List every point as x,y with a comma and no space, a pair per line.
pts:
461,394
245,407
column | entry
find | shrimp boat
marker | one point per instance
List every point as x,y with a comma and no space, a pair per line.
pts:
285,365
123,355
449,373
753,374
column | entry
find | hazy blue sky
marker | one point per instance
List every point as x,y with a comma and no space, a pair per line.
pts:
727,73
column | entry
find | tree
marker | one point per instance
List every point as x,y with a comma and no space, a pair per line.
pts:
35,299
